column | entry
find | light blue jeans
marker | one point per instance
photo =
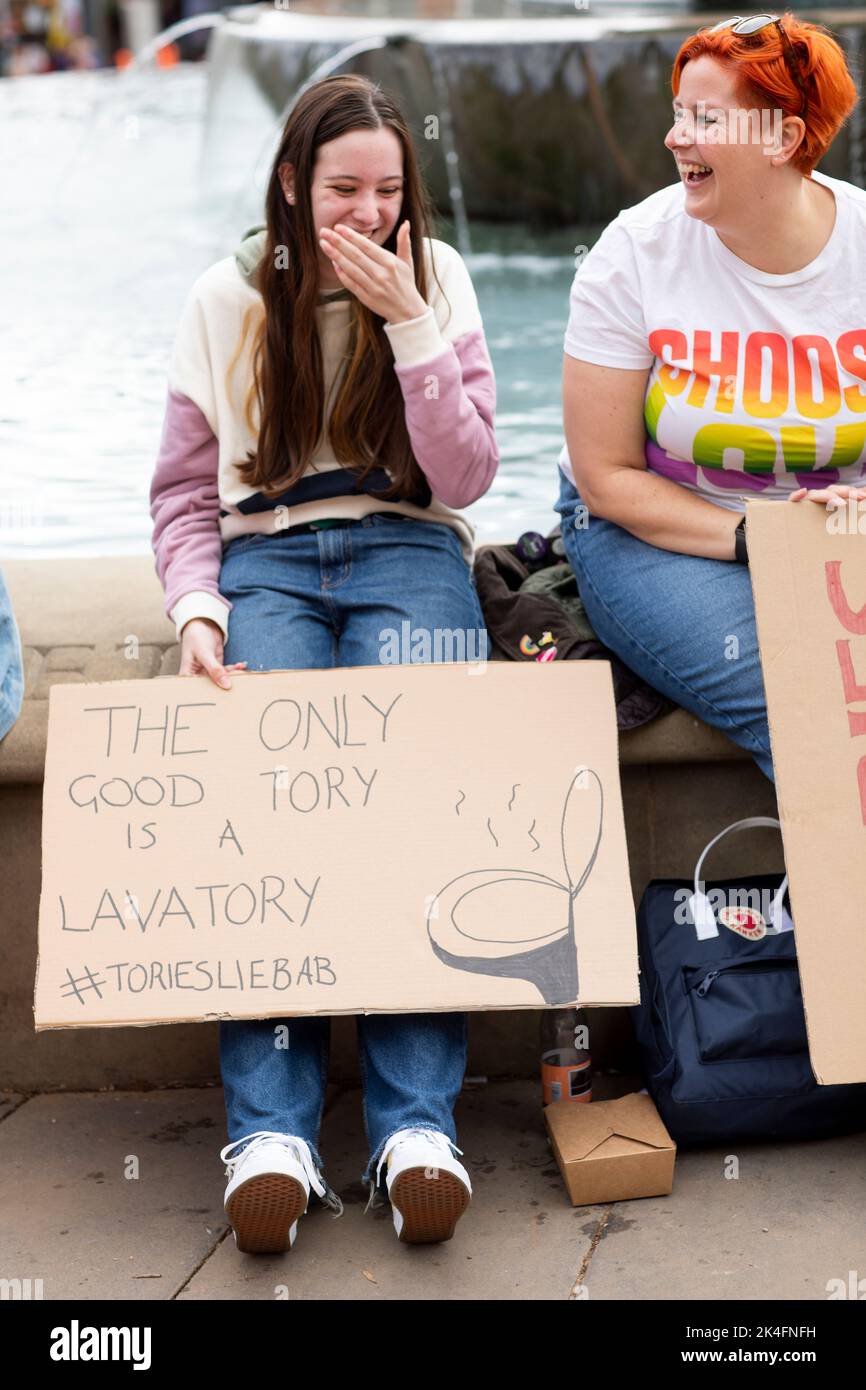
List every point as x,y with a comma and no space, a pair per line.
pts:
684,623
322,600
11,663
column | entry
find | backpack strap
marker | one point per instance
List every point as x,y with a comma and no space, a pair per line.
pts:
702,913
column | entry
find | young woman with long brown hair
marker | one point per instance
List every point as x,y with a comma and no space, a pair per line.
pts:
330,407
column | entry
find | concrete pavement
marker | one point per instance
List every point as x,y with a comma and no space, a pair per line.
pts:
118,1195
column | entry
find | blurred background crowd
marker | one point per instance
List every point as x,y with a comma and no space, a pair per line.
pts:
58,35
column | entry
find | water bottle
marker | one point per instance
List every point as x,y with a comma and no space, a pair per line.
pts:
566,1062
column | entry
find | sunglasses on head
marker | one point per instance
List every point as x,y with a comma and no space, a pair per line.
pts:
753,24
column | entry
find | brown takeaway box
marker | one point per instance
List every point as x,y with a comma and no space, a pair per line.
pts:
611,1150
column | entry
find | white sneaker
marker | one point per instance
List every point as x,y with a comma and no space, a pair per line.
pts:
428,1188
269,1190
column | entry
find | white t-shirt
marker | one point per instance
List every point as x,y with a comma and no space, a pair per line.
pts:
758,381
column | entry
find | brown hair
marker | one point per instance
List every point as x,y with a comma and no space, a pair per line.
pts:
765,77
367,426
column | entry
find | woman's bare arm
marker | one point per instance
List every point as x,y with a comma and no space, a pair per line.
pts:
604,431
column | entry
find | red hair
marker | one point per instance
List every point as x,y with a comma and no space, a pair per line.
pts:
765,79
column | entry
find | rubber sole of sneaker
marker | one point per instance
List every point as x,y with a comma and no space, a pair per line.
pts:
430,1207
263,1210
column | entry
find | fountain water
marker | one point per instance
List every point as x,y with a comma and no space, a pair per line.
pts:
449,147
174,31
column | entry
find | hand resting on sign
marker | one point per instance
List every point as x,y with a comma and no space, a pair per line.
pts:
201,652
834,496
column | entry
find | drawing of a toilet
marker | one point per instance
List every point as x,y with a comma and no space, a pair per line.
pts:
547,958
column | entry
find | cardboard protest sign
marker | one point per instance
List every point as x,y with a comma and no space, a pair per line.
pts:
808,572
366,839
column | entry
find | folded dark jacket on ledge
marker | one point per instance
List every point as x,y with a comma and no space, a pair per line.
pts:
529,624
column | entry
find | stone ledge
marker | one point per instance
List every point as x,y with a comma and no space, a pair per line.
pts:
102,619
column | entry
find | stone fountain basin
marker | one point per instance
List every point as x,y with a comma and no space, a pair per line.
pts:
556,120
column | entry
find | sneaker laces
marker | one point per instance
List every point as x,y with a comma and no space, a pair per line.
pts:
431,1136
299,1148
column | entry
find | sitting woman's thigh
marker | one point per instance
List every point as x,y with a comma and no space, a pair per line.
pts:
412,597
278,620
683,622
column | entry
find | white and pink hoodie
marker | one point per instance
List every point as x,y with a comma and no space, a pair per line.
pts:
197,499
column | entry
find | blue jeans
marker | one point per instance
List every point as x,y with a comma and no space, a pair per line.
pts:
11,663
319,600
685,623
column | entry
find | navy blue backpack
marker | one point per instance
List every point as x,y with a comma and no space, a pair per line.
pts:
720,1024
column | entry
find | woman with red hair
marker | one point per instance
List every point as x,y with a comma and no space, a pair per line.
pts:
715,351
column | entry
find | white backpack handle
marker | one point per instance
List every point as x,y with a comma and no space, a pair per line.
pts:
701,909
